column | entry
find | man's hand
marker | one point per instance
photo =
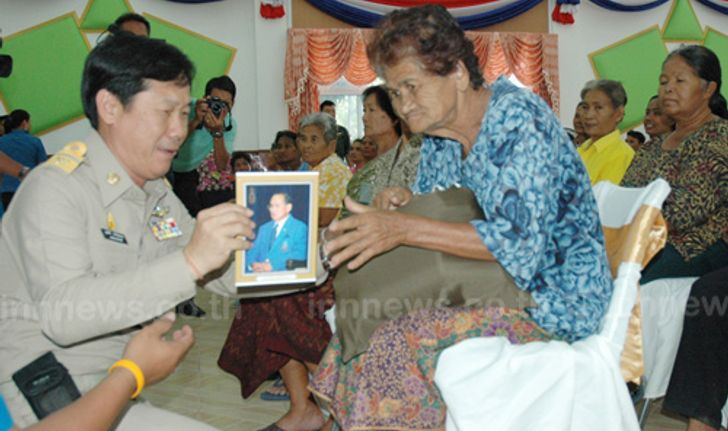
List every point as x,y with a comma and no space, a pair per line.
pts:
201,110
158,357
364,235
213,123
220,230
392,198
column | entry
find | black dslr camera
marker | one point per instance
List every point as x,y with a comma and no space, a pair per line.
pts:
216,105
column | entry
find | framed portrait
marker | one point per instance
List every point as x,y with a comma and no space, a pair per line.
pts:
285,212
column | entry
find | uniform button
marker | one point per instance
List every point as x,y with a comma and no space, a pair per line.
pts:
112,178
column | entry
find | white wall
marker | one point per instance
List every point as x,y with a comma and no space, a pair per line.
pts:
257,69
596,28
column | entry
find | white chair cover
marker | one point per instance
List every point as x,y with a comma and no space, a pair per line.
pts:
489,384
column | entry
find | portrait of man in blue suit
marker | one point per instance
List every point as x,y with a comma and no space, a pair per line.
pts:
279,240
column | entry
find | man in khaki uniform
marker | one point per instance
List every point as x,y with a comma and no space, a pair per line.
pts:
96,243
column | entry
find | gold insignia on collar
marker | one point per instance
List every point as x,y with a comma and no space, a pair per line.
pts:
112,178
69,157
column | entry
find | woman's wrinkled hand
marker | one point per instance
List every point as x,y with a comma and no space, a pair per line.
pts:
367,233
392,198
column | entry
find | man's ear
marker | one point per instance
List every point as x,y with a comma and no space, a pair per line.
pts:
108,106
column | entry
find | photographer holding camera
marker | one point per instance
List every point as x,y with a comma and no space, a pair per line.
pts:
203,176
202,172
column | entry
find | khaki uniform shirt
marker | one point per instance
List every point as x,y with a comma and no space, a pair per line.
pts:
68,288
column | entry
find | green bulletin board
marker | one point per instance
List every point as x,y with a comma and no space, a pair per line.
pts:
718,43
636,62
100,13
47,66
48,62
211,58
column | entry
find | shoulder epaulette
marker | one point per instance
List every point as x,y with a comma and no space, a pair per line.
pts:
69,157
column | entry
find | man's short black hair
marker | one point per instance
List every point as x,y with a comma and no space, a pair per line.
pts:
286,197
123,63
326,103
223,83
130,17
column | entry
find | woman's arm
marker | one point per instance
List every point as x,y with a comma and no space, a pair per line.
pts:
370,232
9,166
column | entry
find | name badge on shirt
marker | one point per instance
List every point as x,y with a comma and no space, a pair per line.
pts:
113,236
165,228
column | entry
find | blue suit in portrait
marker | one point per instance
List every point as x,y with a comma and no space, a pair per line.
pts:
289,244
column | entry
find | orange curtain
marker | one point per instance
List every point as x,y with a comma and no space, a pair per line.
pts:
321,56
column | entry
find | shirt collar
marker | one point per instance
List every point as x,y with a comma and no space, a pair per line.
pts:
602,143
113,181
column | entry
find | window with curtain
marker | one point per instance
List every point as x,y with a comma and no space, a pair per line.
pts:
349,104
316,58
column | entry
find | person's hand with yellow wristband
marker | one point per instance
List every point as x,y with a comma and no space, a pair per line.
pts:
148,359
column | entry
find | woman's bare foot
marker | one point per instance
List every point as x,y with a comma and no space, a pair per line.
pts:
307,418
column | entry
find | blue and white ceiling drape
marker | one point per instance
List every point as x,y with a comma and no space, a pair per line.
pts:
471,14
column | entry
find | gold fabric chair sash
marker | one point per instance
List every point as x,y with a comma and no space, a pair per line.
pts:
638,242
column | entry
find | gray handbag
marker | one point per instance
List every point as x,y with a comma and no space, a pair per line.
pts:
406,278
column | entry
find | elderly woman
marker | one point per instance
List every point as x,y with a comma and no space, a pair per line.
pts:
605,155
286,152
694,160
538,223
396,164
288,334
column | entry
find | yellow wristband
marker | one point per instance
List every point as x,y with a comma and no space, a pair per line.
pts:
135,370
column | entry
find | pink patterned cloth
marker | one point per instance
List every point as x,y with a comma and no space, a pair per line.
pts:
212,178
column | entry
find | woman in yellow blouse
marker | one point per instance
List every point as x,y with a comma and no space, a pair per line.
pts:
605,155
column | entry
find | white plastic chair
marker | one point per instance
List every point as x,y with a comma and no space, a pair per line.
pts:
489,384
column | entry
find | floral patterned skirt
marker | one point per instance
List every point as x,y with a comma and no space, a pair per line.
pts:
391,386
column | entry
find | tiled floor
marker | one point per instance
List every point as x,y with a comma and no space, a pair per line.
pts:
201,390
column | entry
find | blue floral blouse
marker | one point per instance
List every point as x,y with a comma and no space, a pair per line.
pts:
540,217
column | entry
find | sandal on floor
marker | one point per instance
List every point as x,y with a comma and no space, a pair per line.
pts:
270,395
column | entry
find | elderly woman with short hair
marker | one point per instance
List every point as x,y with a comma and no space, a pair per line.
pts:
288,334
605,155
534,223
